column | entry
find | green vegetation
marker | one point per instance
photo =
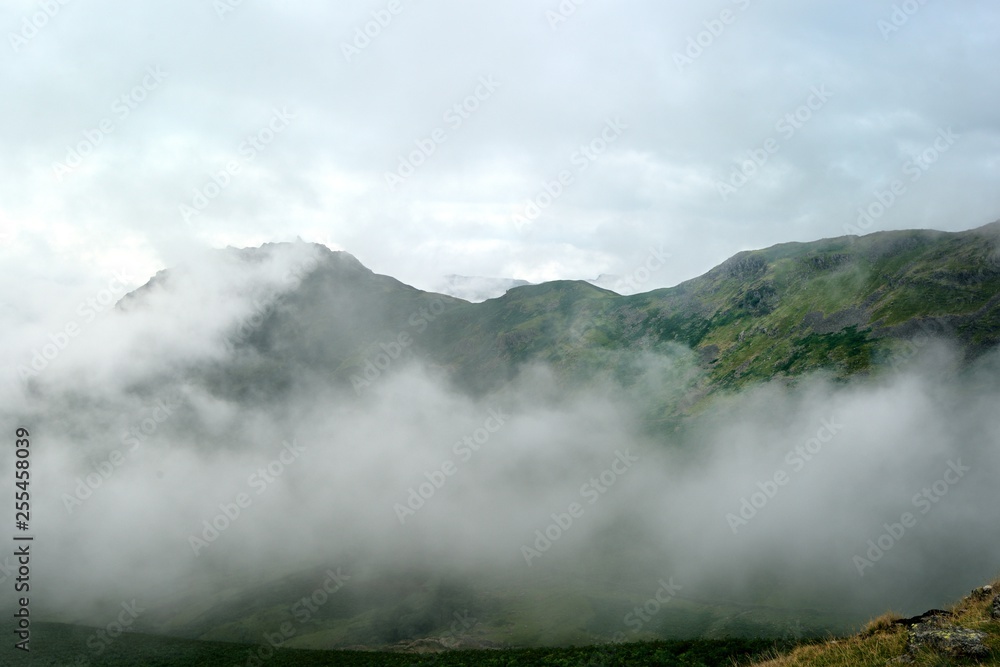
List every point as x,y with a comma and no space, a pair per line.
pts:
884,642
59,644
514,608
839,305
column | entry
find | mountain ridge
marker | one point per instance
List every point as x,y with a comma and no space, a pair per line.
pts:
846,305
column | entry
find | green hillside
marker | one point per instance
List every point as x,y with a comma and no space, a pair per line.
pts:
512,608
840,304
844,304
61,644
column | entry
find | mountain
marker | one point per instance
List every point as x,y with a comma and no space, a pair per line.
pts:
846,305
842,304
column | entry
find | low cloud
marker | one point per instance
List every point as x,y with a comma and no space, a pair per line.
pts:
150,485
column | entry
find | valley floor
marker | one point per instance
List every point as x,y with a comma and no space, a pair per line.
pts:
62,644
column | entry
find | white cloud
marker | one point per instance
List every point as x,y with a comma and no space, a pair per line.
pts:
324,176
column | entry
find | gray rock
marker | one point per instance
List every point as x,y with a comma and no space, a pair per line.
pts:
995,609
947,639
981,593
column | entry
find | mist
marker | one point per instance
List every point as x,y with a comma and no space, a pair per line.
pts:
149,485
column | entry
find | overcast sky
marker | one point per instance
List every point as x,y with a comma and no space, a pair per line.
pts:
515,138
117,116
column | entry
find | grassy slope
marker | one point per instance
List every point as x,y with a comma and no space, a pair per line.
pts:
881,642
841,304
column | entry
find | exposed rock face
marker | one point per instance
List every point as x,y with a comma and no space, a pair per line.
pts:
981,593
817,322
947,639
758,301
744,266
995,609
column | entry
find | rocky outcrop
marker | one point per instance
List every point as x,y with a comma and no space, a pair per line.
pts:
981,593
951,640
938,635
744,266
927,616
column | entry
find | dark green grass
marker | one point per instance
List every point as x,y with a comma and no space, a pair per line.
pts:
60,644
